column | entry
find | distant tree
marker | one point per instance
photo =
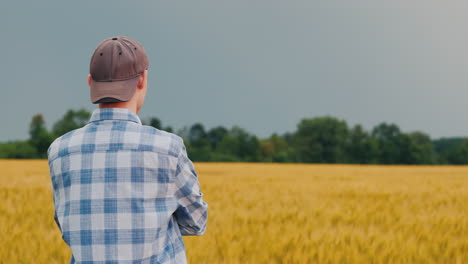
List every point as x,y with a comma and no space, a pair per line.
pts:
40,138
360,147
458,154
417,148
196,133
240,144
321,140
390,141
200,149
292,153
288,137
183,132
445,147
317,140
70,121
274,149
216,135
17,150
155,122
267,150
445,143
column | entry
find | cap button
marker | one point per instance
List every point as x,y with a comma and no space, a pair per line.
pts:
114,38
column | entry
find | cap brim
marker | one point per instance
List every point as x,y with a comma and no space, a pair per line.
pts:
120,90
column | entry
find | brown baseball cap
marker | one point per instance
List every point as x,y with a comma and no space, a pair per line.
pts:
115,66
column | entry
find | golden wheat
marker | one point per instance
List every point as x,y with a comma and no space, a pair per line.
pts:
278,213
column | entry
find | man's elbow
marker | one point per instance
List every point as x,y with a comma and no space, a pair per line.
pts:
198,229
193,230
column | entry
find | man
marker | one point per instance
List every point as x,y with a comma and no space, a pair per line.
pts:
123,192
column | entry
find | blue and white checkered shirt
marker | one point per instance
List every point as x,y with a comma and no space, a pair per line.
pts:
124,192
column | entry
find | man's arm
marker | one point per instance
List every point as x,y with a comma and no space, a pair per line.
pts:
192,212
51,172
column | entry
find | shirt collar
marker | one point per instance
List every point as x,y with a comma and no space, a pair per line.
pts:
114,114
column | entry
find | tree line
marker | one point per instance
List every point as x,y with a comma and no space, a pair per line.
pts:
323,139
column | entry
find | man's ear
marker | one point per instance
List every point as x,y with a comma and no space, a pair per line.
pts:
141,79
90,80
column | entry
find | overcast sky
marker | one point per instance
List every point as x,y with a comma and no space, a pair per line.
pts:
260,64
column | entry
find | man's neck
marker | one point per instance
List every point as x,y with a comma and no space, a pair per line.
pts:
127,105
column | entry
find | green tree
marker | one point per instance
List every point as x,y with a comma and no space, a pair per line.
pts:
444,146
238,144
196,133
274,149
417,148
17,150
321,140
40,138
216,135
155,122
390,141
458,154
360,147
183,132
70,121
199,148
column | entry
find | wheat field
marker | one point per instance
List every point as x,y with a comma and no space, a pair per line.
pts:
278,213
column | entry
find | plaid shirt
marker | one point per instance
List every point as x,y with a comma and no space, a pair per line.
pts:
124,192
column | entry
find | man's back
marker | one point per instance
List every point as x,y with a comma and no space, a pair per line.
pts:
125,192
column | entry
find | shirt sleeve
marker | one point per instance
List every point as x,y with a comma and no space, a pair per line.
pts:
52,176
192,211
55,216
